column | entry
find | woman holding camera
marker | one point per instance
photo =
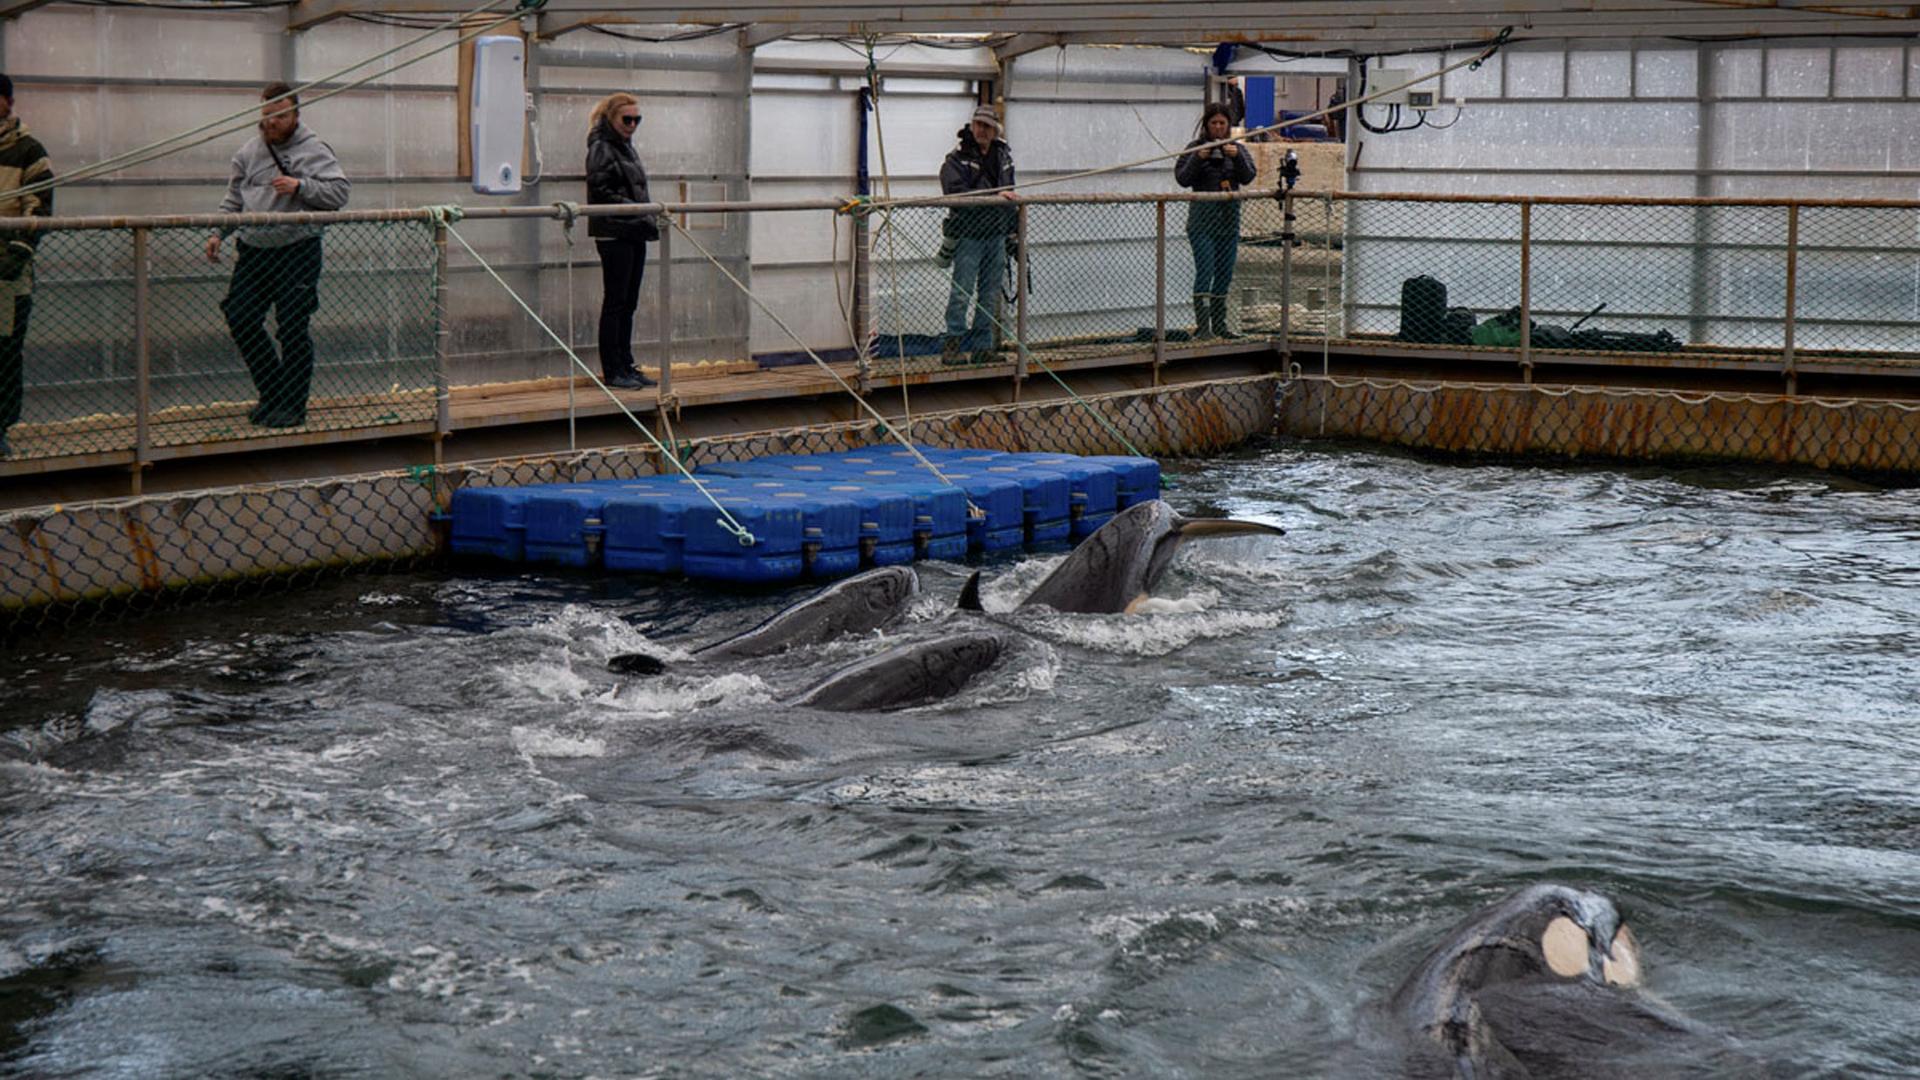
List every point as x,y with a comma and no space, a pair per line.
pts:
615,176
1213,228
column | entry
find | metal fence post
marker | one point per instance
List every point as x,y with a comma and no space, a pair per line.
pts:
666,308
142,355
1787,363
1286,276
1159,288
1020,291
1526,291
860,259
442,347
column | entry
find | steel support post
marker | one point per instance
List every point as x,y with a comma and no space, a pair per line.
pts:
665,314
1020,293
1526,291
1159,288
142,355
1787,363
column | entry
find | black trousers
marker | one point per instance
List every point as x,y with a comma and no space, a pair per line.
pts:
12,369
286,280
622,264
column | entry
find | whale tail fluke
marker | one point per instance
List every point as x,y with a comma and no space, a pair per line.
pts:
970,594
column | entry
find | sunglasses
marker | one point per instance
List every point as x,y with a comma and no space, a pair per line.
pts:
634,119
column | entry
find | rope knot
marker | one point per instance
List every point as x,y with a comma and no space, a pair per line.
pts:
568,211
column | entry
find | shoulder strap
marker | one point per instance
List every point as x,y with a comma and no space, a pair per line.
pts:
277,160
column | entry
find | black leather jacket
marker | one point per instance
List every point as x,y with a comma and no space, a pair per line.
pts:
615,175
968,170
1214,171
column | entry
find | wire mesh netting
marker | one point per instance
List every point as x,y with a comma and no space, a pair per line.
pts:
1858,278
61,565
1618,277
1874,437
324,332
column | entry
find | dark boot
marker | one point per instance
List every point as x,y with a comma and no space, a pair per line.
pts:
950,352
1220,330
1202,316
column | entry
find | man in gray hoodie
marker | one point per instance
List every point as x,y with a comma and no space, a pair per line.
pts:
285,168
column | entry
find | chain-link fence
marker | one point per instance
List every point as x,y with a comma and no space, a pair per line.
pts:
1869,437
61,565
1772,279
135,347
142,339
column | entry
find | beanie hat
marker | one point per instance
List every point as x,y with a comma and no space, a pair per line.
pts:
984,114
6,87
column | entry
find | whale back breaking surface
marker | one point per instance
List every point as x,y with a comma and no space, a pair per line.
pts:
917,673
860,604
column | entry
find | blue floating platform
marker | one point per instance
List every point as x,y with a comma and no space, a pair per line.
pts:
811,516
491,521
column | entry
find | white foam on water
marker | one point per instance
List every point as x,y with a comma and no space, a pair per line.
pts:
380,599
597,634
1254,559
1005,591
555,681
670,696
1160,626
538,743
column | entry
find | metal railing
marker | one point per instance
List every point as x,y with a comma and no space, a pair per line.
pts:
130,354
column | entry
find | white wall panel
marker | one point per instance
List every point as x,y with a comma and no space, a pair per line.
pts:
1868,72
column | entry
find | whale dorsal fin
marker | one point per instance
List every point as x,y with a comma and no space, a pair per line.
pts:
970,594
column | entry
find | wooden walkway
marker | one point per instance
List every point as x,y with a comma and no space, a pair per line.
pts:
204,430
41,451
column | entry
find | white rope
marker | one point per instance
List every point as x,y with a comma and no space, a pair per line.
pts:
888,426
728,522
155,150
887,227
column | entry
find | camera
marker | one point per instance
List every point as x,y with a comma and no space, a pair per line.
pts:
1290,170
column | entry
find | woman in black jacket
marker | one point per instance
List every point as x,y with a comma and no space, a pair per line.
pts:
615,175
1213,228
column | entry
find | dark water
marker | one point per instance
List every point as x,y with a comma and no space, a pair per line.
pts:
409,826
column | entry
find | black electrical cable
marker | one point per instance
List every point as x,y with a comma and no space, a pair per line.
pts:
688,35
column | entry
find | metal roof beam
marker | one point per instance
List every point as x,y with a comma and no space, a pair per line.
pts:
1022,44
13,9
1135,20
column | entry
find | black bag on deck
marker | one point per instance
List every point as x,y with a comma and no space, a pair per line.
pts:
1460,324
1423,310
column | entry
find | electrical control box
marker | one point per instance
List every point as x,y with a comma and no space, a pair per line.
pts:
1386,79
499,114
1420,99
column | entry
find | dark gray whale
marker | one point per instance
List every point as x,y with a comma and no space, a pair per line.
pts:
916,673
1546,984
856,605
1116,568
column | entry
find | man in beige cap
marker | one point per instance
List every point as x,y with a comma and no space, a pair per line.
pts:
983,162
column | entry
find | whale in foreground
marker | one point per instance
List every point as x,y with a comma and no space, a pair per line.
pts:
1545,983
857,605
1116,568
917,673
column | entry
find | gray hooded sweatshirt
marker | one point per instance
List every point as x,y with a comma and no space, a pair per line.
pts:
323,186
